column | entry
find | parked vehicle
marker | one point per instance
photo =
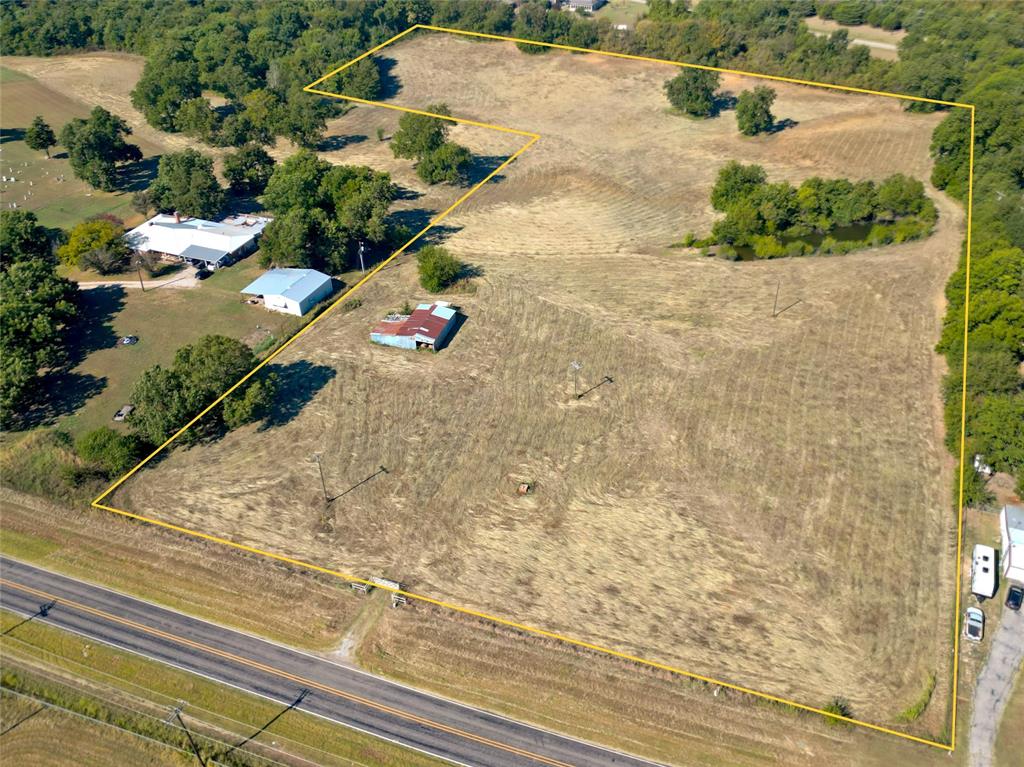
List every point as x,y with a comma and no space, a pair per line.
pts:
983,572
202,274
1014,597
974,624
128,340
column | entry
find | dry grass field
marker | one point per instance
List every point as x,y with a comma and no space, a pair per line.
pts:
763,500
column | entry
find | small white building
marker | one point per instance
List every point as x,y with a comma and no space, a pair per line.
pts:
210,244
1011,526
983,572
292,291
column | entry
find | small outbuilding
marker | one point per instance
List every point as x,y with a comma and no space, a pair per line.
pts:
428,327
1011,527
292,291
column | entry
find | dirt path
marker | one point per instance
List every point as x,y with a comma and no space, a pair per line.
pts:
994,686
185,279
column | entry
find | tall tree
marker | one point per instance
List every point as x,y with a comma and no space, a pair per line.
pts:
693,91
449,163
96,146
40,136
295,183
169,79
249,169
36,307
97,243
754,110
167,398
417,135
22,238
185,182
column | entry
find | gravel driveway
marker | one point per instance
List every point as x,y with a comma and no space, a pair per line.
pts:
995,682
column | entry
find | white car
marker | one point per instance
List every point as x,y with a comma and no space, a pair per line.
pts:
974,624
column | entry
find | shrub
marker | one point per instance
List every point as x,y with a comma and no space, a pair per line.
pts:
729,253
438,268
766,246
110,451
839,707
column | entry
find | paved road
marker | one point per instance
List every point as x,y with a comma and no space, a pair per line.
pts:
995,682
437,726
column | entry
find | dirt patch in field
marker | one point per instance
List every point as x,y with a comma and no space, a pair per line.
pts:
763,500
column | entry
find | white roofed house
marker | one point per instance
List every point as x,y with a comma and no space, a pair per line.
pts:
1011,527
209,244
292,291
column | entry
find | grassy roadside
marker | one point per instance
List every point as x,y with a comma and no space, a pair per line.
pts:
31,732
652,714
51,662
183,574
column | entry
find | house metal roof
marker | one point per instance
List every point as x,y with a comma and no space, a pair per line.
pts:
295,284
426,323
165,234
199,253
1015,523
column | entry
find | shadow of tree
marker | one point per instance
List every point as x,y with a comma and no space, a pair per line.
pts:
64,392
334,143
724,101
94,329
780,125
11,134
468,271
390,84
138,175
297,383
481,165
405,193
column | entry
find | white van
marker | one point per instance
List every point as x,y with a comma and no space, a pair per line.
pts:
983,572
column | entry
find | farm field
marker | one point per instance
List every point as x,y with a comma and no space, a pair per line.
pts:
725,436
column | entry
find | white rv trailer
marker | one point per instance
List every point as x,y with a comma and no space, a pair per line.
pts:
983,572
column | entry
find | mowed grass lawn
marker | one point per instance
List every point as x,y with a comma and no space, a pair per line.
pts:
622,12
57,203
164,319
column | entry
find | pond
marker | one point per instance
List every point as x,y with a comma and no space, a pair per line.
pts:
852,232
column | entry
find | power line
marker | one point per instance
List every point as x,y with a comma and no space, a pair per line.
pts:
137,712
193,707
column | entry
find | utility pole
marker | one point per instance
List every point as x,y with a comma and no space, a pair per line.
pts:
362,266
576,366
138,267
176,714
323,482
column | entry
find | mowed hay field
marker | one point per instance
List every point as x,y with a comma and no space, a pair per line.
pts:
762,500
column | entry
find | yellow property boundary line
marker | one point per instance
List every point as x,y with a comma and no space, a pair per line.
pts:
532,139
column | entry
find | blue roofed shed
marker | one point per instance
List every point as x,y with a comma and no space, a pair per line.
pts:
292,291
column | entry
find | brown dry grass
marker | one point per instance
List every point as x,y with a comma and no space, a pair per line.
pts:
202,580
761,500
631,708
